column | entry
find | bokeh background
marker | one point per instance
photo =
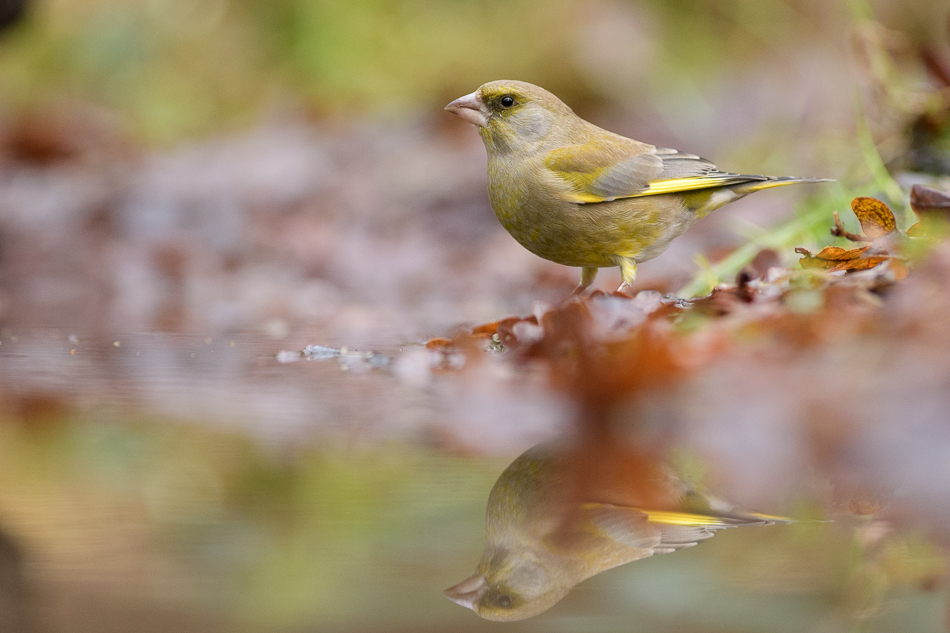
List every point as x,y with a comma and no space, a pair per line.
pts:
189,188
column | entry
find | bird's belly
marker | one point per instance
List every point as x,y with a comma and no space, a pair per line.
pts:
594,235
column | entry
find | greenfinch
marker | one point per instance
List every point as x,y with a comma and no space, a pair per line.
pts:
545,533
578,195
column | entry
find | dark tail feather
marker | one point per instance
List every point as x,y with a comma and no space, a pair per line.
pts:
755,184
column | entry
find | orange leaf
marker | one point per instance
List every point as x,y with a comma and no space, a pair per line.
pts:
830,257
869,499
438,342
877,220
486,330
834,259
861,263
836,253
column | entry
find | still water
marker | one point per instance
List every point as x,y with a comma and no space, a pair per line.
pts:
157,482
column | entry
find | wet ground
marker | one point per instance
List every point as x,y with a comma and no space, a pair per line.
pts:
207,486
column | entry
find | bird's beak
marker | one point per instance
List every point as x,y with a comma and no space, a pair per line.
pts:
469,108
467,592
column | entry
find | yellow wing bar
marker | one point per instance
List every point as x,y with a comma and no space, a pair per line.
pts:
677,185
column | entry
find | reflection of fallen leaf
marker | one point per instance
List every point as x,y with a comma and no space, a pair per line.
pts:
862,498
867,500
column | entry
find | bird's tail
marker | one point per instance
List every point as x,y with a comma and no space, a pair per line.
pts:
723,195
772,181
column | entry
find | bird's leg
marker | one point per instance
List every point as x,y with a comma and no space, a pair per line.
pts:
588,273
628,272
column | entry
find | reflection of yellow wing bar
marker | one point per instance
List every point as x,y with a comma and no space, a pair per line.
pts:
700,520
771,517
683,518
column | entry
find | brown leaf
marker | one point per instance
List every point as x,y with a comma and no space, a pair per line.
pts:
506,329
928,200
868,499
760,265
836,253
932,207
486,330
877,219
834,258
722,301
829,256
935,64
439,343
861,263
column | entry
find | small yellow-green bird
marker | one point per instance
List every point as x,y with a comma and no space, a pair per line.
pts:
578,195
546,533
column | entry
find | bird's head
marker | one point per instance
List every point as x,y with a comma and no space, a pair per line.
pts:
512,115
508,587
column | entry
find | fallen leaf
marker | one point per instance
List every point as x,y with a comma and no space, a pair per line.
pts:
880,229
928,200
831,254
932,208
439,343
834,259
486,330
877,219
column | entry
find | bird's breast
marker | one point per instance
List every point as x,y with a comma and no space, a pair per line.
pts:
533,206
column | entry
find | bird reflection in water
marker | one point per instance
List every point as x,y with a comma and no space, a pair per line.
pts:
557,516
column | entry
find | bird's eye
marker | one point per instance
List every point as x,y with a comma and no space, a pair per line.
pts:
507,101
504,601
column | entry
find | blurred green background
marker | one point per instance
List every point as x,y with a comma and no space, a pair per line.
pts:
171,68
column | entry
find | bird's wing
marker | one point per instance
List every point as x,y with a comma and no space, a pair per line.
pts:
666,531
601,171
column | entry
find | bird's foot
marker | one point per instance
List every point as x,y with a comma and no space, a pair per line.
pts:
628,273
587,278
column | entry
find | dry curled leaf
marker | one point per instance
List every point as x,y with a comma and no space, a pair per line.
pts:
835,258
880,228
877,220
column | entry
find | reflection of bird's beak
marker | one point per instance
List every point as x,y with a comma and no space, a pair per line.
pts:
469,108
467,592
